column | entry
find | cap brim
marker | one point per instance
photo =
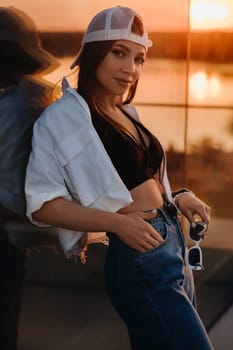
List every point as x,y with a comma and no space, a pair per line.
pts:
47,62
76,60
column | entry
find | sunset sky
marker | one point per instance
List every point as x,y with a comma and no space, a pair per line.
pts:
69,15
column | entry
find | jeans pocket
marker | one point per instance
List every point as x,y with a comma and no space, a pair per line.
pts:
163,229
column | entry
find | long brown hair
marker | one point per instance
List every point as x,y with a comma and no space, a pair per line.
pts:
92,55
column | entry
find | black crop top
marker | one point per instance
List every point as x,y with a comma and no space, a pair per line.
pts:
134,162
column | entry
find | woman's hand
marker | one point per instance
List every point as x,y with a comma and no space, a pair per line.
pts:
131,228
191,207
137,233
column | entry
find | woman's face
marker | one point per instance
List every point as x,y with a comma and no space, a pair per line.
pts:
120,68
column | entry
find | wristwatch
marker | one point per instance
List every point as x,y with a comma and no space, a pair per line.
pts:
180,191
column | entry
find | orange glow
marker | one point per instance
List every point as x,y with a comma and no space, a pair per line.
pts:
202,86
211,14
198,85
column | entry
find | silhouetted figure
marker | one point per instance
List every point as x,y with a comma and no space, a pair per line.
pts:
23,96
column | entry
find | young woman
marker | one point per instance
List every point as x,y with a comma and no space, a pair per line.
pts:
95,167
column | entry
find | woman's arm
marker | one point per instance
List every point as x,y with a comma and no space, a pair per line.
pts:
131,228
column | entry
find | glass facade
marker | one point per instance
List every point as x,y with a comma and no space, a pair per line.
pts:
190,109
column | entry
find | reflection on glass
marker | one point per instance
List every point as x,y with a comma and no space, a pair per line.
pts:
168,125
202,86
210,14
213,124
210,157
211,83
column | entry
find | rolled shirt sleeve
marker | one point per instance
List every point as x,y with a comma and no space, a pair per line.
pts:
44,180
68,160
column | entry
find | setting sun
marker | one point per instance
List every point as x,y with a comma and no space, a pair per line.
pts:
210,14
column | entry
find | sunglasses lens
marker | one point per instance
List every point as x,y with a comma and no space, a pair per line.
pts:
194,258
197,231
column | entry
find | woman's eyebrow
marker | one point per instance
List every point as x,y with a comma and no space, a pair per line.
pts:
142,53
121,46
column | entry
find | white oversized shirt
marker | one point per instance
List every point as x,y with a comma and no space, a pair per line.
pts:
69,160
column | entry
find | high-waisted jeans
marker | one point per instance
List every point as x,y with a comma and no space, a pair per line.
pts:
153,292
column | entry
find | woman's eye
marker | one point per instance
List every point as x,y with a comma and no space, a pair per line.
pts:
139,60
118,53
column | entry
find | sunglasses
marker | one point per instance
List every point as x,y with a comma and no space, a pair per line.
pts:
194,255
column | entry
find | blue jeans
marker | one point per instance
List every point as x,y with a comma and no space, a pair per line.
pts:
153,292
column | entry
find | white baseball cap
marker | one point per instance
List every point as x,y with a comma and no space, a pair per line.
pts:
114,23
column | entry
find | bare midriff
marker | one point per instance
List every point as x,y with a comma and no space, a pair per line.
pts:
146,196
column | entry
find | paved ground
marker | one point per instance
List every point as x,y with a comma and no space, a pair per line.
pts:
61,319
221,334
68,319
